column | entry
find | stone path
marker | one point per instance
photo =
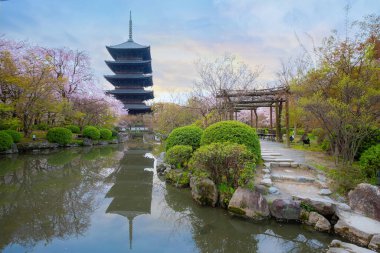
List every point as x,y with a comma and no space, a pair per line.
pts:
285,173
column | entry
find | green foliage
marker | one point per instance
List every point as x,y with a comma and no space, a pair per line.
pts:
105,134
16,136
114,133
226,193
91,132
6,141
178,178
59,135
370,140
187,135
235,132
41,126
326,144
320,134
306,206
179,155
73,128
370,162
227,163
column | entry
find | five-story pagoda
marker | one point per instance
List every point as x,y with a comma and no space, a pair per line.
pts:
133,73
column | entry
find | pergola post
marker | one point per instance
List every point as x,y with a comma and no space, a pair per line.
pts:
278,130
287,122
256,119
236,115
271,116
251,119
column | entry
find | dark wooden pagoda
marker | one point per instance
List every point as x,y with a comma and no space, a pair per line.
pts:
132,74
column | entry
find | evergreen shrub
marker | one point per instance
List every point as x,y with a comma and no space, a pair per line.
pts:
105,134
91,132
73,128
187,135
370,162
235,132
226,163
179,155
59,135
6,141
16,136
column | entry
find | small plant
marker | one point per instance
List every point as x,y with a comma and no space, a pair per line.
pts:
187,135
59,135
6,141
370,162
227,163
105,134
179,155
16,136
91,132
73,128
307,207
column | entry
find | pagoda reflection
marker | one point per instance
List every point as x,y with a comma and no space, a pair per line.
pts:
132,190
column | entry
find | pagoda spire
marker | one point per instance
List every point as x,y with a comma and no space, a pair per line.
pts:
130,26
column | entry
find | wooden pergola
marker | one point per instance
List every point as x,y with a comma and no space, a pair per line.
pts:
235,101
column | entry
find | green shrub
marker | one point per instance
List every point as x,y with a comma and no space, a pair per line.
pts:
114,133
233,131
320,134
370,162
41,126
179,155
371,140
228,163
105,134
326,144
187,135
59,135
91,132
6,141
73,128
16,136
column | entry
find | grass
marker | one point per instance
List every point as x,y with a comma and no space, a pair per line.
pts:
40,136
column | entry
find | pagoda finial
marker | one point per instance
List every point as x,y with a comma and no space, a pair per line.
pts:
130,26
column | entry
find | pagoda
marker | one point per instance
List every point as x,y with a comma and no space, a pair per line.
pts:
132,70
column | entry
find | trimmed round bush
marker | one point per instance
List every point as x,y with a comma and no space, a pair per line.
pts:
59,135
73,128
179,155
370,161
235,132
230,164
187,135
16,136
6,141
91,132
105,134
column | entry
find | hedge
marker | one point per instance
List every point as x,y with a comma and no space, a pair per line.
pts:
235,132
105,134
91,132
6,141
59,135
73,128
187,135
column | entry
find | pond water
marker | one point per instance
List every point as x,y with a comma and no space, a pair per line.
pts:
109,199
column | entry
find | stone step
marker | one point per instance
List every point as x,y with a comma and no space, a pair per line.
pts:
299,179
284,164
270,154
278,160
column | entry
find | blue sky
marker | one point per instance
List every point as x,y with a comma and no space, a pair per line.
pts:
179,32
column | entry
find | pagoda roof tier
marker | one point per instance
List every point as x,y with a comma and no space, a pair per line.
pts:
130,65
144,80
128,45
132,93
137,106
133,53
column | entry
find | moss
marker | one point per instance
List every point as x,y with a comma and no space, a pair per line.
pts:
236,210
307,207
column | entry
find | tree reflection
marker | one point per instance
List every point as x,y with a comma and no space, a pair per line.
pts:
49,196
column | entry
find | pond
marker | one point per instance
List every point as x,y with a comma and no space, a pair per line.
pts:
109,199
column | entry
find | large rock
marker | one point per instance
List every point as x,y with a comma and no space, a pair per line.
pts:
203,191
375,243
326,207
319,222
356,228
284,209
337,246
365,199
249,204
29,146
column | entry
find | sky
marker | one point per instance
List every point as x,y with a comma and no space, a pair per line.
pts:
259,32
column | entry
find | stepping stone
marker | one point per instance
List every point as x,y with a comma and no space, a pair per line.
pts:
299,179
266,171
270,154
267,182
266,176
273,190
325,192
294,165
278,160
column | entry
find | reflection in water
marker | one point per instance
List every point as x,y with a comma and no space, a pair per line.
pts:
49,196
55,203
132,190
